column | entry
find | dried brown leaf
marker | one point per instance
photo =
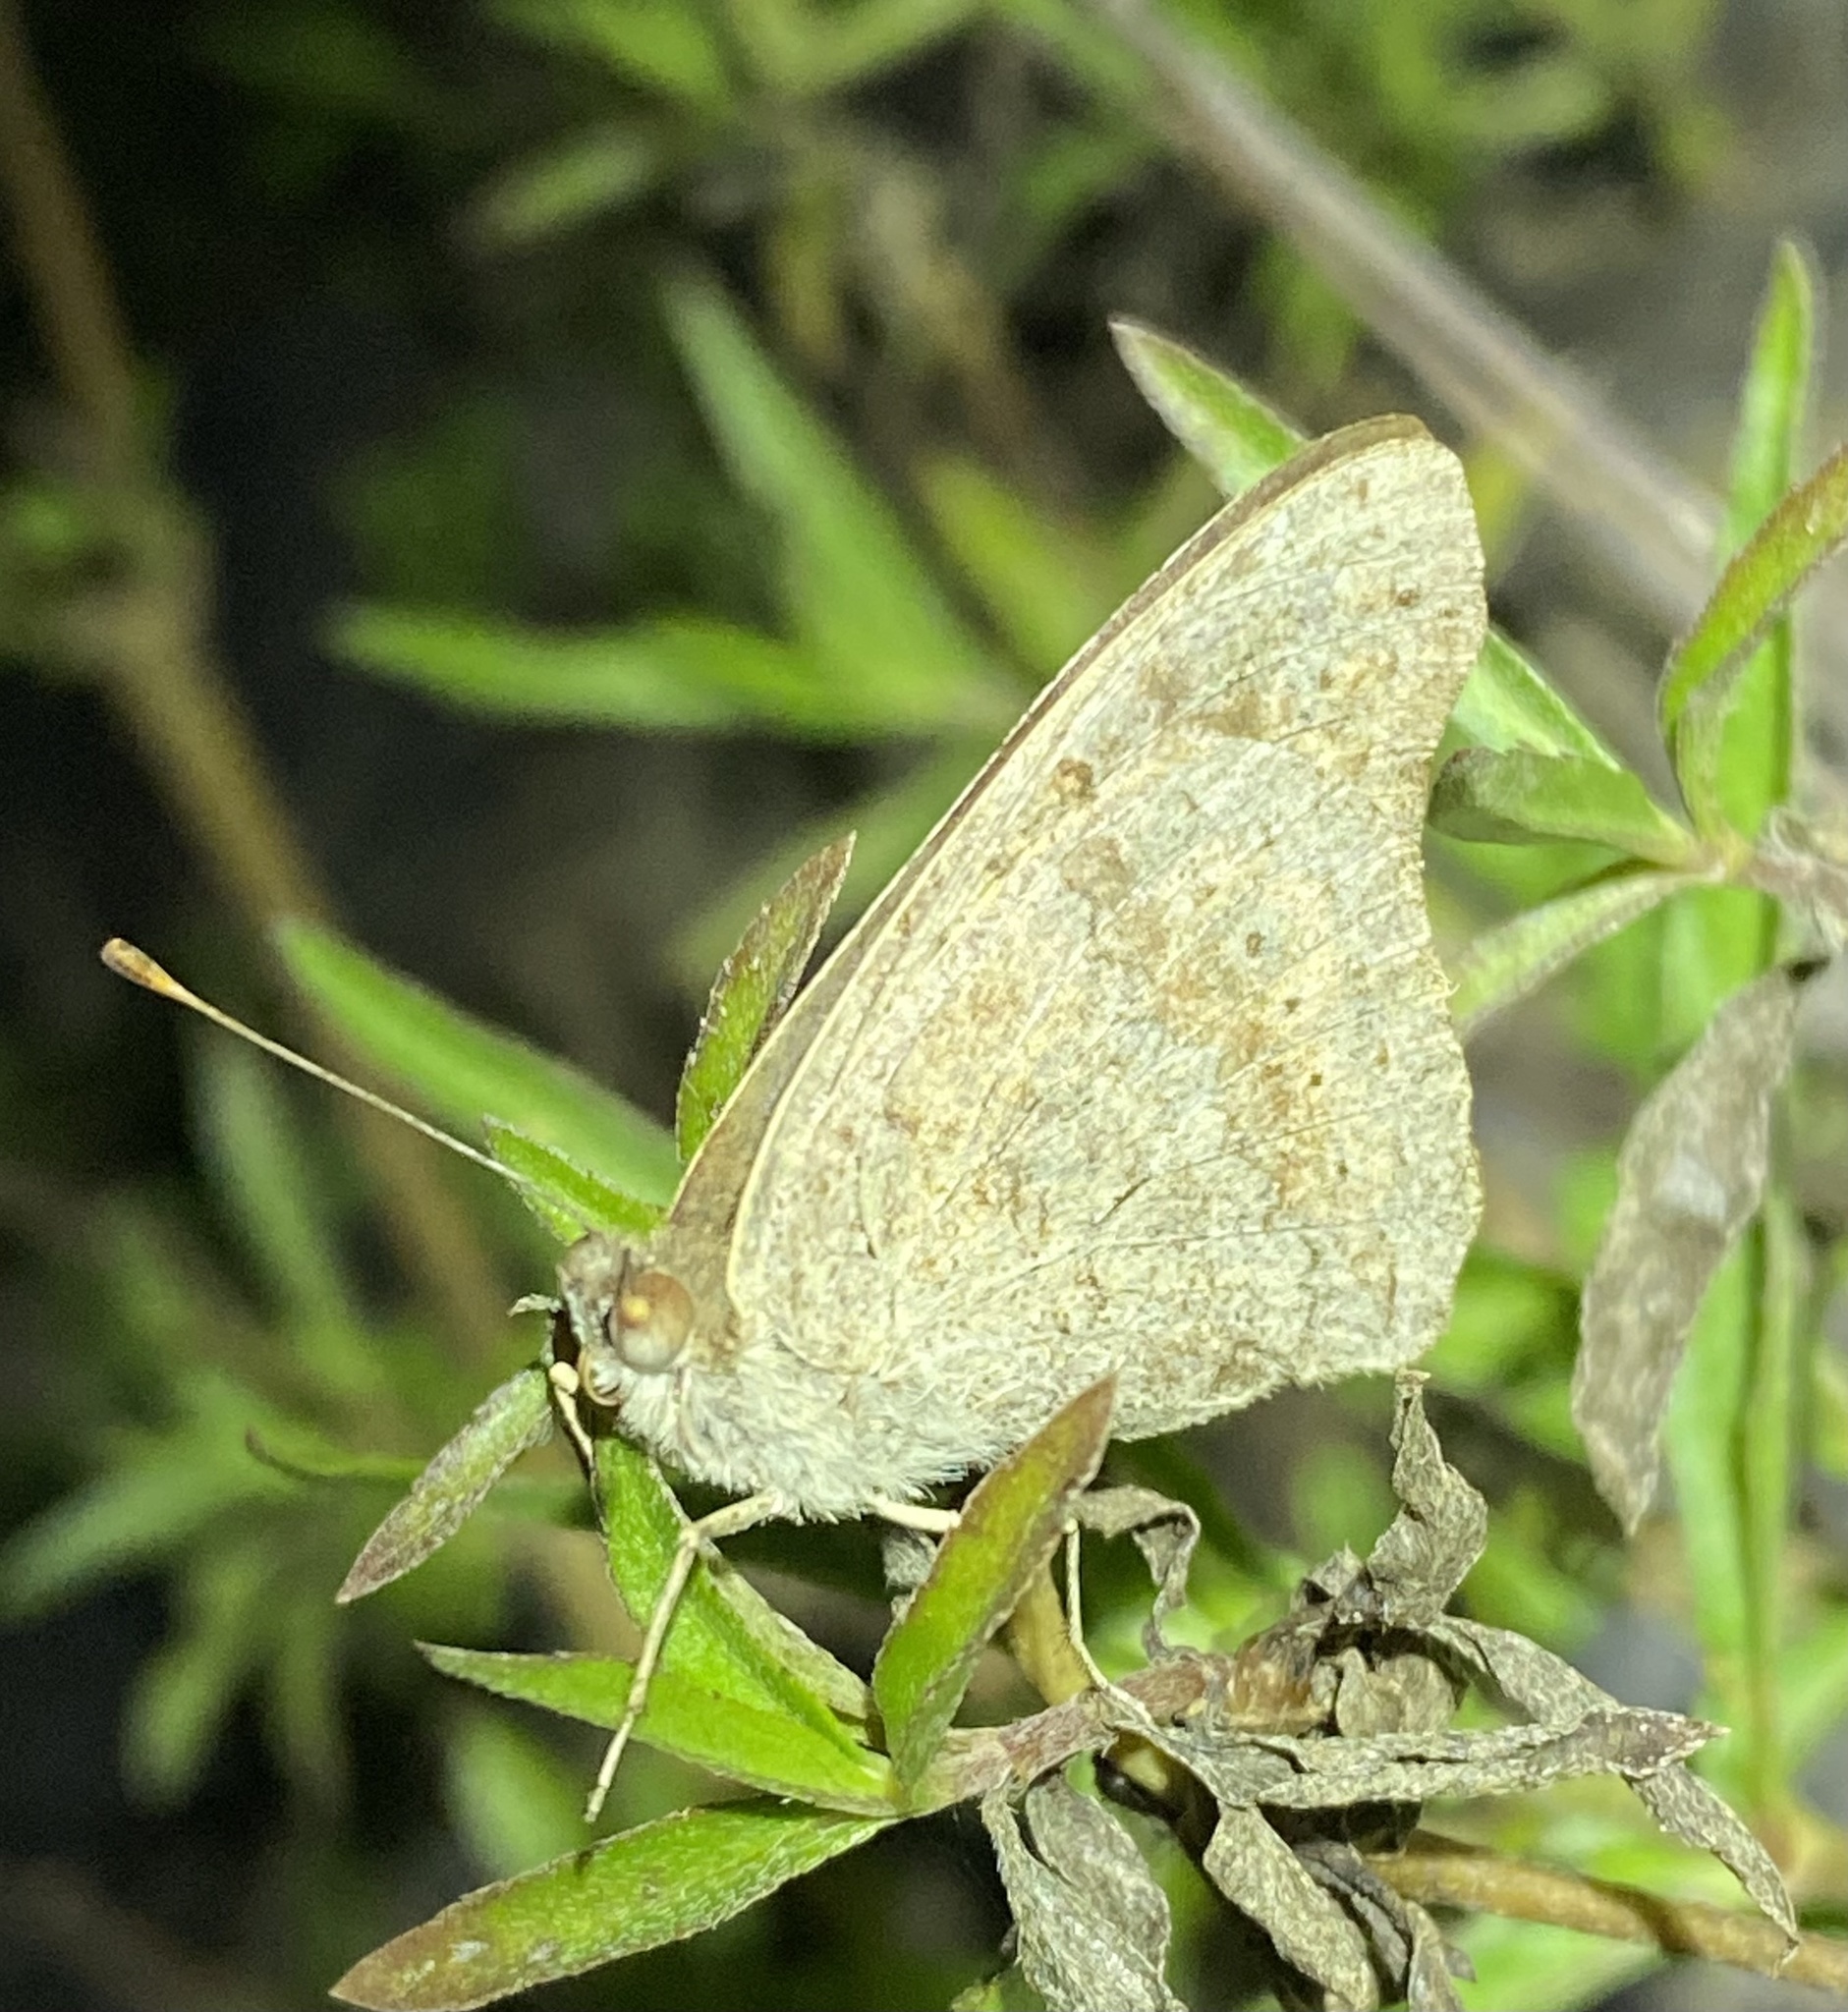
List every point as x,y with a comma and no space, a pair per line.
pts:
1262,1876
1423,1555
1688,1809
1690,1176
1093,1925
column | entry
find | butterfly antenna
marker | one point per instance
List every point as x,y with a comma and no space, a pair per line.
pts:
140,970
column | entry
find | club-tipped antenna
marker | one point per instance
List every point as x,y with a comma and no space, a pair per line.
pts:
139,969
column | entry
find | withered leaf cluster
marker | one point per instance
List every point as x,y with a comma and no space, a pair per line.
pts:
1315,1745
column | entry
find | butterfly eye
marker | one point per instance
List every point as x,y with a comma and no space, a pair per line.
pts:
650,1321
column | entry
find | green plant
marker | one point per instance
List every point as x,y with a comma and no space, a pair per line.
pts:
795,1724
749,593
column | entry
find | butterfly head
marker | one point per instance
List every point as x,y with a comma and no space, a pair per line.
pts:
629,1317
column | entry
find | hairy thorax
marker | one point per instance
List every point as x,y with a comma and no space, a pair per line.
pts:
749,1414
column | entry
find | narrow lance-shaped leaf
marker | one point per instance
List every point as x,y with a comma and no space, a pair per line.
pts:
659,1884
857,591
1091,1921
1773,397
716,1642
1524,1677
265,1178
1702,1451
1739,761
1009,1528
1689,1178
1238,439
467,1070
754,989
1687,1807
660,44
1234,435
1520,798
1281,1771
1505,703
1771,1439
687,672
889,823
1700,678
833,51
1517,957
305,1456
1045,583
217,1643
769,1750
561,1194
513,1419
583,174
153,1502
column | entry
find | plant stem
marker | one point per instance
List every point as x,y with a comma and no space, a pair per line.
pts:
1436,1871
159,672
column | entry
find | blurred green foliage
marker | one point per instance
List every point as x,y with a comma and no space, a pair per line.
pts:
857,507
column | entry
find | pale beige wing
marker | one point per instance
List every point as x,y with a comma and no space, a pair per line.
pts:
1145,1063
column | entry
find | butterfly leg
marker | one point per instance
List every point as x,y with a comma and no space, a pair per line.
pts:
914,1515
1074,1610
695,1537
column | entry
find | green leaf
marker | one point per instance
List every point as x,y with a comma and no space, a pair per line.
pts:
301,1694
566,1198
1044,583
586,175
1827,1414
659,1884
1701,1442
714,1644
1701,679
1521,797
1770,1438
754,989
1517,957
662,43
1008,1529
1773,398
1507,704
1740,749
467,1070
183,1693
764,1750
305,1456
265,1178
156,1496
840,47
511,1796
509,1422
889,825
688,672
855,592
1230,432
1814,1681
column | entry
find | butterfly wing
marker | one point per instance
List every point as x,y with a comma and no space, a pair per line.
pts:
1144,1062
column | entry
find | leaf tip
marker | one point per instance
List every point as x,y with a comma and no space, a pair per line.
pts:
363,1577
